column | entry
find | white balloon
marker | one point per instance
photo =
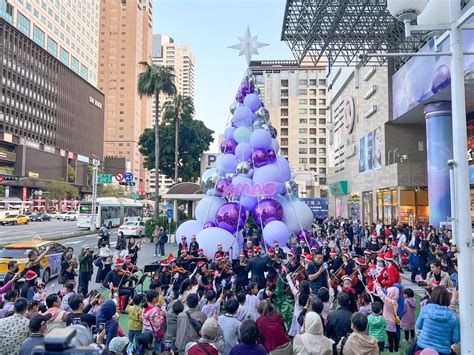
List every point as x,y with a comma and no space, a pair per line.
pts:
206,209
297,216
209,238
188,229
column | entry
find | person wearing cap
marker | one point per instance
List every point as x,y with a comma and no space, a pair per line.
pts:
37,327
28,288
317,273
211,340
164,275
392,274
258,267
118,345
335,261
14,329
248,248
182,244
219,251
274,264
86,269
193,247
117,278
184,259
347,263
278,251
302,248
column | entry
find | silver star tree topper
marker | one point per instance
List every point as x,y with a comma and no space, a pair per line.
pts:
248,45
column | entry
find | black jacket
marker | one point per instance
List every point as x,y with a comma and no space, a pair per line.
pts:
338,324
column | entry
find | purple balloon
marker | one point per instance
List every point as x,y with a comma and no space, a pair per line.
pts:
229,132
276,230
231,217
267,210
259,157
271,155
240,96
222,185
273,132
227,163
247,87
302,234
260,138
243,117
284,167
228,146
248,202
208,225
253,102
243,151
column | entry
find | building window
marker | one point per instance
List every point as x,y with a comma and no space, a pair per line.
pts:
322,140
303,121
52,47
284,83
75,65
303,111
284,112
312,102
322,91
23,24
284,92
284,131
312,141
312,82
322,151
312,111
303,82
322,81
284,141
284,102
6,11
303,130
303,141
322,170
322,101
312,131
284,151
322,121
303,101
312,160
303,92
303,160
38,36
322,111
312,121
312,151
64,56
84,72
322,161
284,122
302,151
312,92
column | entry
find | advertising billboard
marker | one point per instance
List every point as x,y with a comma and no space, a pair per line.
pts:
319,206
370,151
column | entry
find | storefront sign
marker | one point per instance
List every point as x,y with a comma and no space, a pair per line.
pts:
83,158
49,149
33,175
339,188
70,155
349,114
62,152
95,102
7,138
319,206
207,161
28,143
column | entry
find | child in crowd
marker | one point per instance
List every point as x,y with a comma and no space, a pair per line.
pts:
366,307
213,306
67,292
230,325
243,311
325,296
135,321
390,314
252,301
347,288
301,297
358,341
172,323
408,318
377,325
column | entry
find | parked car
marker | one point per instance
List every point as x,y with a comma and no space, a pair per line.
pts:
15,219
68,216
40,217
50,265
132,229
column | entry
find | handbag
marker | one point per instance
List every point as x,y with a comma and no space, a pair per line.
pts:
194,323
397,318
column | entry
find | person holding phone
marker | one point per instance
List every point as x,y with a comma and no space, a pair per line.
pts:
105,320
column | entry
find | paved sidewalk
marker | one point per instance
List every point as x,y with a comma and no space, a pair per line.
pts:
406,282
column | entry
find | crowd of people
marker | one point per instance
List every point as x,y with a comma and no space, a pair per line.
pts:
342,280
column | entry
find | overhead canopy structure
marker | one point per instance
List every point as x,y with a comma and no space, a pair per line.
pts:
188,191
341,30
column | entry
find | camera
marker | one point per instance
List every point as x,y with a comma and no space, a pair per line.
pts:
60,341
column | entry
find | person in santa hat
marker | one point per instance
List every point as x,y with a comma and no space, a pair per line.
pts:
316,271
347,287
184,259
248,249
258,267
193,247
302,248
326,250
278,251
373,244
273,266
293,262
184,244
376,272
28,288
118,278
392,274
241,271
335,261
348,263
219,251
164,275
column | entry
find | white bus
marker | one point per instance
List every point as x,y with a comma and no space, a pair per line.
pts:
11,205
110,211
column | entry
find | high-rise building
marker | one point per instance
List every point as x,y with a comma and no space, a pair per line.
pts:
68,30
295,96
168,53
125,40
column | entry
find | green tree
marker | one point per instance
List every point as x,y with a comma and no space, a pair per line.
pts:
153,81
179,110
71,173
59,190
194,139
110,191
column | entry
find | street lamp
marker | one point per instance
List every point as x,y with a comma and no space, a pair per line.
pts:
435,18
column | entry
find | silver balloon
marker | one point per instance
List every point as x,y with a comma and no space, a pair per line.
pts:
263,113
291,187
230,175
256,91
234,107
243,167
258,124
209,179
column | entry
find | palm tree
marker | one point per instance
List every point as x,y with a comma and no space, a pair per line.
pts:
153,81
180,109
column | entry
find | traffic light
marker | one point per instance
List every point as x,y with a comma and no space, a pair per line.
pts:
126,183
10,178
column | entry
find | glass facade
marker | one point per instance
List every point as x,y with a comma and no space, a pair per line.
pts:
6,11
23,24
84,72
64,56
38,36
52,47
75,65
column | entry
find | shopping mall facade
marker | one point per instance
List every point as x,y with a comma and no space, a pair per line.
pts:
390,130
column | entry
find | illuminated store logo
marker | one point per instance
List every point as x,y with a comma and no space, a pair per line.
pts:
95,102
349,114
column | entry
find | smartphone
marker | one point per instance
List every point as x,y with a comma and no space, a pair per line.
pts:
101,327
76,321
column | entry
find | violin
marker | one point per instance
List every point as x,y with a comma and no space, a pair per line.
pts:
127,273
336,278
179,270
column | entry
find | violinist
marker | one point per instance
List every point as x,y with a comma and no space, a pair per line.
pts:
205,277
302,248
273,266
164,277
347,263
357,277
182,245
241,271
325,250
128,266
184,259
316,271
335,262
223,274
199,257
219,251
248,249
279,253
193,247
293,263
118,278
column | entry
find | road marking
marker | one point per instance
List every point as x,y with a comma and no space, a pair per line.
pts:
74,242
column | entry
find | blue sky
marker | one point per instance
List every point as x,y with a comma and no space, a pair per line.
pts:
209,27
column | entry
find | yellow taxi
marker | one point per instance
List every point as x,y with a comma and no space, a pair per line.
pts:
50,264
15,219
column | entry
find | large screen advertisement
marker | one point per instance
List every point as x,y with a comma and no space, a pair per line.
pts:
370,151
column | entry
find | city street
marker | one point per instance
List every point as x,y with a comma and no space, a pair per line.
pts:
54,228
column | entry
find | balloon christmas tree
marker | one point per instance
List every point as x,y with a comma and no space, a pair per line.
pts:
249,178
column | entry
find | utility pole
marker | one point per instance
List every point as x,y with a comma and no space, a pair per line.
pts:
95,169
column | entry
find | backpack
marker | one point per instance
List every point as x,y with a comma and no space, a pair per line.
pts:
194,323
340,345
202,349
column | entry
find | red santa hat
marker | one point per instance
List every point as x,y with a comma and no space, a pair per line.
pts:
308,257
119,262
313,248
257,249
128,259
183,250
271,251
200,263
347,278
242,254
275,243
164,262
200,250
344,247
171,258
333,251
367,251
380,256
30,275
218,256
291,252
389,255
360,261
347,255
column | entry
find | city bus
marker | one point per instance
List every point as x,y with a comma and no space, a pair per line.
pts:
11,205
110,211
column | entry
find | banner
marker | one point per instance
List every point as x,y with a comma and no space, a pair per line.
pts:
370,151
319,206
